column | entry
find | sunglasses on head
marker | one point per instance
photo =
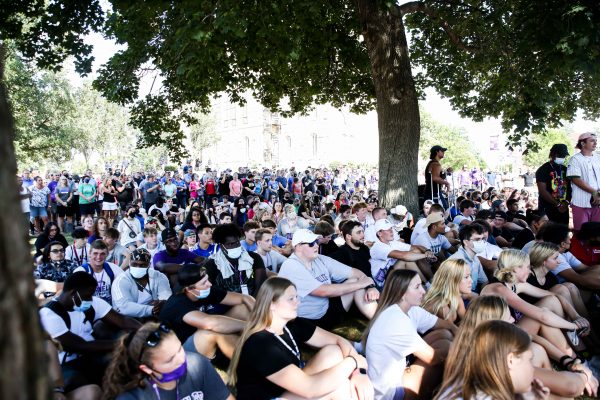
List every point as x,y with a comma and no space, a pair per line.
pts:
154,338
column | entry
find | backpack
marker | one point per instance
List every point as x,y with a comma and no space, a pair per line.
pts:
107,268
61,311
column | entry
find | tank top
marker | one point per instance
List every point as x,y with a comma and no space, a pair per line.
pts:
432,189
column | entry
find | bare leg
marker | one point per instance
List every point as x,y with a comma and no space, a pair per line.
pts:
425,268
421,379
240,312
88,392
411,266
552,339
568,290
207,342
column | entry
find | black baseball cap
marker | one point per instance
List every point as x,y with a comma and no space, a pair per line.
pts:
168,234
559,150
437,148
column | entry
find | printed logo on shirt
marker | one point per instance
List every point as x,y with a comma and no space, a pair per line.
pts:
322,278
199,395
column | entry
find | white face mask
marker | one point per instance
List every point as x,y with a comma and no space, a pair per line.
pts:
235,252
479,246
243,210
138,272
559,161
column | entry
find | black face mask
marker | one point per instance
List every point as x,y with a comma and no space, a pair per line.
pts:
132,214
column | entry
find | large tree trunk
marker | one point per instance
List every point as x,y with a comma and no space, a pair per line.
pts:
22,359
397,104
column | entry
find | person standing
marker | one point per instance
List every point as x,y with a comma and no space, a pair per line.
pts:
584,172
435,177
553,187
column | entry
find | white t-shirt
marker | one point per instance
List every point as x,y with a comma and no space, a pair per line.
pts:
56,326
460,218
380,262
565,261
388,348
371,235
435,245
25,202
420,229
273,260
104,283
325,270
80,256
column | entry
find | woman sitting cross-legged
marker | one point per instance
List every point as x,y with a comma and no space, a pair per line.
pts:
150,363
394,334
267,362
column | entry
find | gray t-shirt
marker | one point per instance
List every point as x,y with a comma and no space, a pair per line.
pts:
200,382
150,197
324,271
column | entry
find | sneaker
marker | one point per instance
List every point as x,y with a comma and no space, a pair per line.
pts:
573,338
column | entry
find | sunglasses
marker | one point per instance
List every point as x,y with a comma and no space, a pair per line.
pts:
55,251
312,244
154,338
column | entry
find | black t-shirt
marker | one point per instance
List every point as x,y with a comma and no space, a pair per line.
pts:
523,237
321,185
555,178
179,305
248,184
233,283
354,258
505,233
308,184
328,249
551,281
263,355
224,187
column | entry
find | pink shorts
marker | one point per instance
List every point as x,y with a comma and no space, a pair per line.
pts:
582,215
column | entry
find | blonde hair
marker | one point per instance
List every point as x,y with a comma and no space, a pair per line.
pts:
444,290
507,262
540,252
485,368
481,309
260,318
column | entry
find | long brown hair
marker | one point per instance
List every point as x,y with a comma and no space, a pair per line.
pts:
260,318
485,370
123,372
396,285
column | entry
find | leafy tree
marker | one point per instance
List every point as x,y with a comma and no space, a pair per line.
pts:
531,66
461,150
202,133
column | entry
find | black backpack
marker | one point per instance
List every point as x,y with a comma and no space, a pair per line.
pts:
62,312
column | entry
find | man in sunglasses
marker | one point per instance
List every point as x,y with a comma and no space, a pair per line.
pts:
70,318
326,287
194,313
140,292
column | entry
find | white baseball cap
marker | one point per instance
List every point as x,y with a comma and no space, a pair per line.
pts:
304,236
399,210
382,225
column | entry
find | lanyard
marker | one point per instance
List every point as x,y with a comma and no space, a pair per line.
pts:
78,259
155,386
295,350
142,288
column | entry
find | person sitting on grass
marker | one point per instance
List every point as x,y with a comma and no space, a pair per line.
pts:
267,362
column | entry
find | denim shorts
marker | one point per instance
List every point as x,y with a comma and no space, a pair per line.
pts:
38,212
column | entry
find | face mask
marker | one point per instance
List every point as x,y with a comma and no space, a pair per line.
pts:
202,294
174,375
138,272
243,210
559,161
131,215
84,306
87,180
479,246
235,252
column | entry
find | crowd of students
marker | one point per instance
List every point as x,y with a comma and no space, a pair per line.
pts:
472,302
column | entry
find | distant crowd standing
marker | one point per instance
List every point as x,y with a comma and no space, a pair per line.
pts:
170,276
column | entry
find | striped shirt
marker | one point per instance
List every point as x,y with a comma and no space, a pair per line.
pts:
588,169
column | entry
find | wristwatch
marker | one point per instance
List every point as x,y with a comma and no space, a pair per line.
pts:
371,286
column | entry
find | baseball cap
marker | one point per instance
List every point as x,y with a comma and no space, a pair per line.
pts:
584,136
434,218
304,236
437,148
560,150
188,233
382,225
399,210
501,214
168,234
141,255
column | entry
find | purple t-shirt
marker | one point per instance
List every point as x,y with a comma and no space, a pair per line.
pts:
52,186
183,257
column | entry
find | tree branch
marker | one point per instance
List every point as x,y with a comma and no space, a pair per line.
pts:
418,6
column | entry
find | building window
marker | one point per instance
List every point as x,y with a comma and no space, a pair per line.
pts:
315,144
247,148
